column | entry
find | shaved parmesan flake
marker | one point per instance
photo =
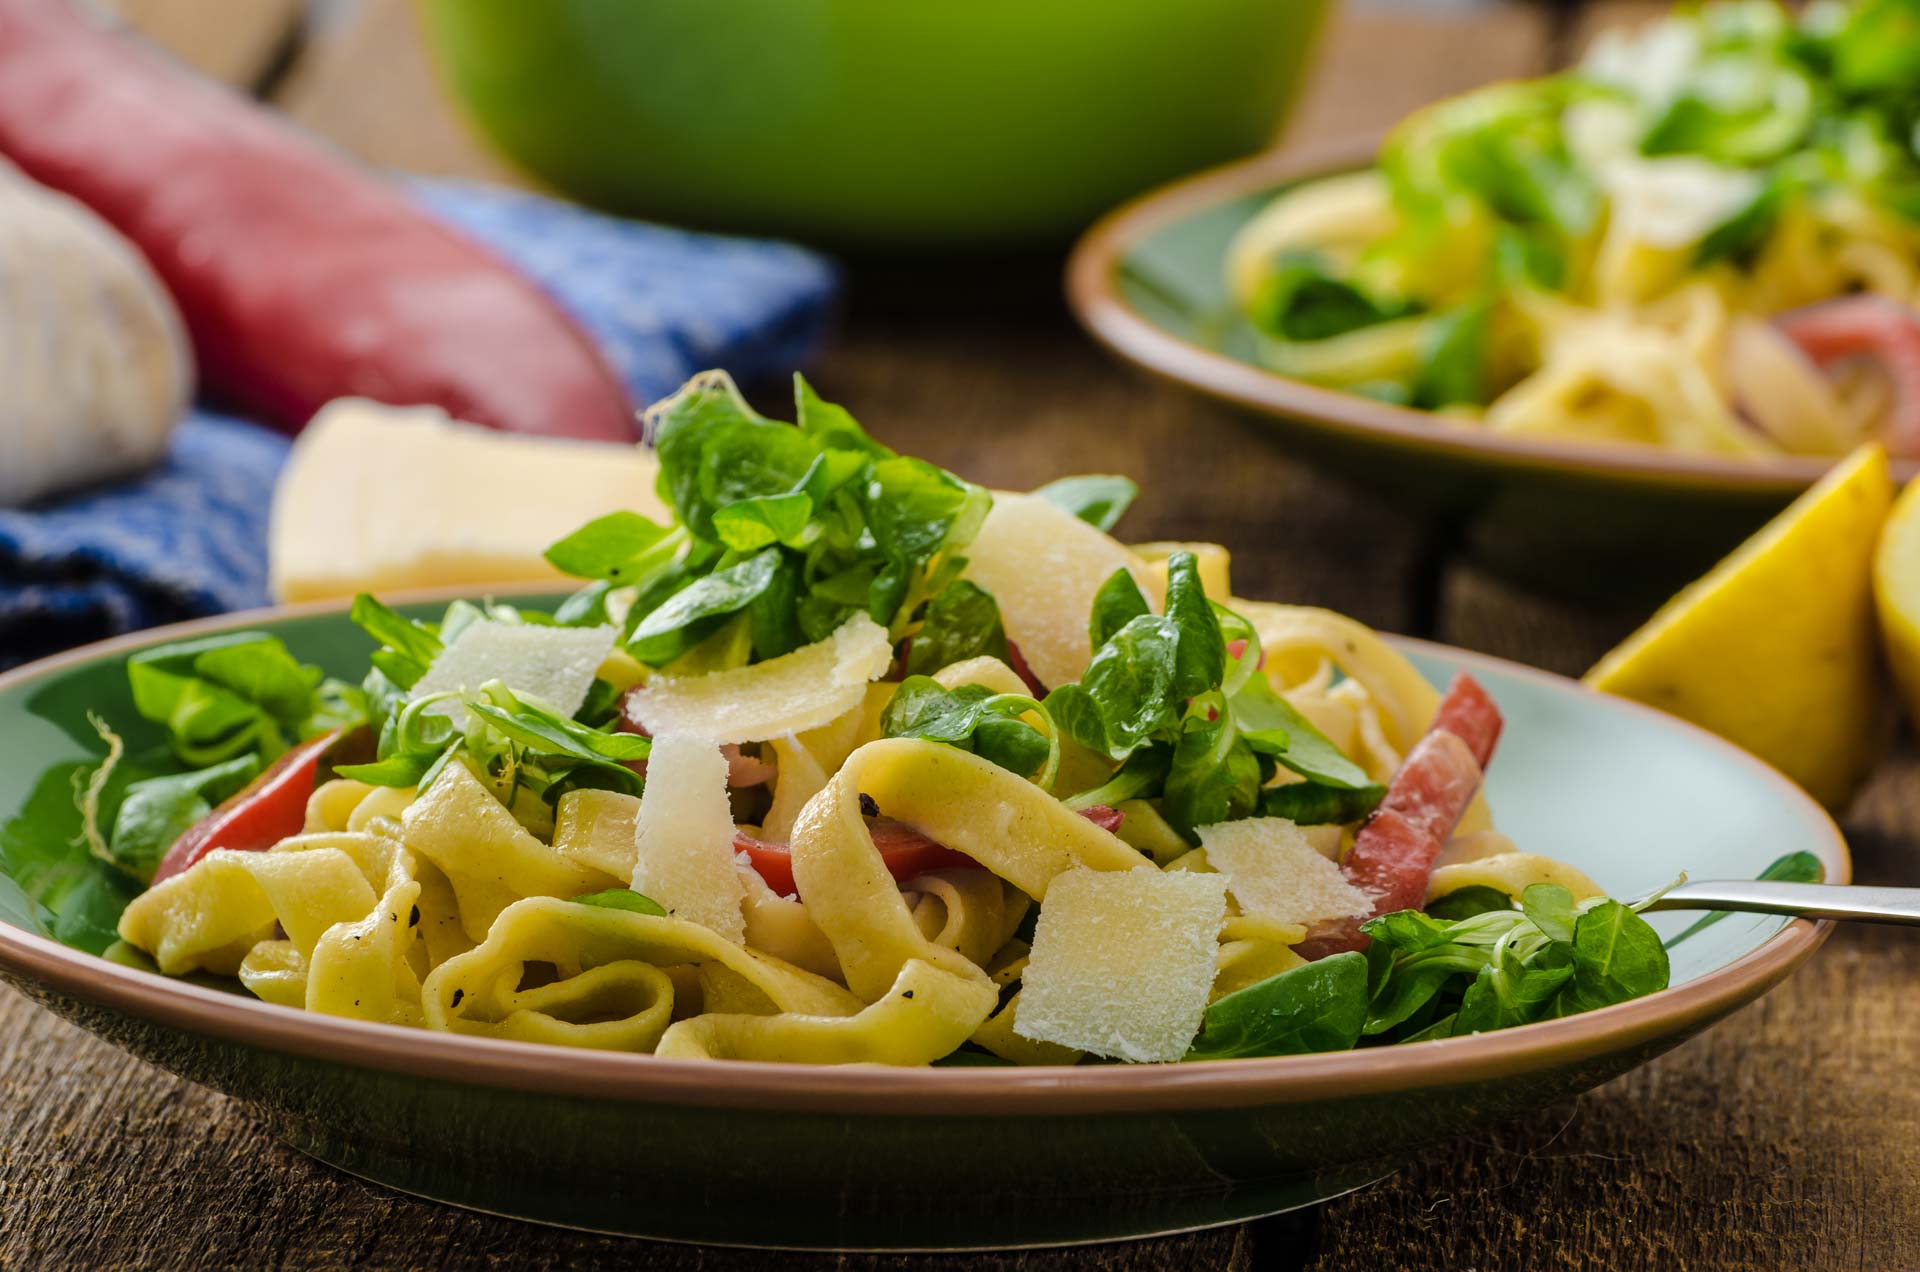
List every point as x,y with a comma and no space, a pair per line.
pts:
1275,872
1043,565
789,694
553,665
1122,962
683,836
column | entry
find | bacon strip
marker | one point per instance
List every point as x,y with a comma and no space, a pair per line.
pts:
1394,850
1872,327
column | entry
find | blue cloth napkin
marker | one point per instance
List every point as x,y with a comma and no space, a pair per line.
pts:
189,538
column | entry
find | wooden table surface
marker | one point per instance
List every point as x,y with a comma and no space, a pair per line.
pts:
1788,1137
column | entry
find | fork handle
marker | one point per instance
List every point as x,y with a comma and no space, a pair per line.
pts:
1797,900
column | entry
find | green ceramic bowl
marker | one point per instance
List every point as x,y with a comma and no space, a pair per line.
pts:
940,1158
1614,522
872,124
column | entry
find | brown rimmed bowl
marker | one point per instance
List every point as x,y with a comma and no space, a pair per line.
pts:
1607,521
791,1156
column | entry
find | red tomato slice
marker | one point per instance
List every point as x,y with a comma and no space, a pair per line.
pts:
905,851
270,808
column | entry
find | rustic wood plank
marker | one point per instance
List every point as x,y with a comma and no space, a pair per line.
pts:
237,44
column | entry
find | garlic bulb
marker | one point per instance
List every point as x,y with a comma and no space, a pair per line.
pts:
94,357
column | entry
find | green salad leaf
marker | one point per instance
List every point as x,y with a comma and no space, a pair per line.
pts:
1318,1007
962,622
974,718
1099,499
155,811
1192,721
623,899
240,693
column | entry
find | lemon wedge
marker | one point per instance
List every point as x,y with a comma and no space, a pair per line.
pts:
1774,649
1896,591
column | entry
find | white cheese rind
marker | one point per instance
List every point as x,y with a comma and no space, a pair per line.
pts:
795,692
683,836
1122,962
553,665
1275,872
381,498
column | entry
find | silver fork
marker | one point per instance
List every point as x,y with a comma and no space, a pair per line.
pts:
1796,900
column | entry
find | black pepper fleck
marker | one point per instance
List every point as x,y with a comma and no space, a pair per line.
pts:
868,807
907,994
413,917
458,994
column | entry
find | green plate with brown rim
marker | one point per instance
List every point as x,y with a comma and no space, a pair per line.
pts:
782,1155
1608,521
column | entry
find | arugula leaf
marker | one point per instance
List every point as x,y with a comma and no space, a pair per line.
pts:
1550,907
1214,775
620,548
1318,1007
1311,804
1616,956
1099,499
155,811
800,526
973,718
1509,992
541,730
962,622
49,881
680,623
752,524
1464,903
409,647
1302,299
1118,602
832,426
915,510
1127,695
1272,726
1200,651
225,696
623,899
1453,357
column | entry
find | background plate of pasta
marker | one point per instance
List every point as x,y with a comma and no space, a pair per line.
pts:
1622,312
1024,885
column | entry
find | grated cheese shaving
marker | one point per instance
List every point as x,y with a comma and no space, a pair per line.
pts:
795,692
683,836
1275,872
1122,962
553,665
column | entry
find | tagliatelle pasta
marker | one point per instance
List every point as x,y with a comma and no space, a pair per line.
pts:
897,843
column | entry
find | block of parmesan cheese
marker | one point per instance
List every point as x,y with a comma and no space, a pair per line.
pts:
1043,565
554,665
381,498
683,836
1122,962
795,692
1275,872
